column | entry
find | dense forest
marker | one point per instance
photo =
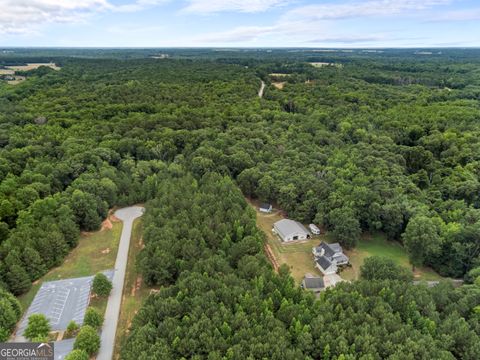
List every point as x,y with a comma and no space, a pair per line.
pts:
225,302
380,142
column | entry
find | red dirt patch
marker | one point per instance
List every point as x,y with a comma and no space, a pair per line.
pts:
136,286
106,225
271,257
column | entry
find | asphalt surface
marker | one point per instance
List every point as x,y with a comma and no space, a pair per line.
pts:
63,348
127,215
60,301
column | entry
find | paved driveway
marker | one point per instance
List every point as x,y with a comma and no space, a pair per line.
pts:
127,215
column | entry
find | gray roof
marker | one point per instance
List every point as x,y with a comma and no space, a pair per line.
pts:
328,251
265,206
313,283
336,247
288,227
323,262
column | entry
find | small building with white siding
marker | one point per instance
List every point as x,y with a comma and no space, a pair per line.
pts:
290,230
265,208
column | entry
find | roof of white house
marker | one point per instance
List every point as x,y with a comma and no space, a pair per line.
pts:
286,227
323,262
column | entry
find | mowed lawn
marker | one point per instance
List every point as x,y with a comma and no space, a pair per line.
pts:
299,258
95,252
378,245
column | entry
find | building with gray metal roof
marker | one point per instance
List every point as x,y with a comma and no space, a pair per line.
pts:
290,230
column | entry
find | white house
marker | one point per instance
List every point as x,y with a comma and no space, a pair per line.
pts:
328,257
314,229
326,266
290,230
265,208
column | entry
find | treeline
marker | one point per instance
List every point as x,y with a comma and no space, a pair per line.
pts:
77,142
221,300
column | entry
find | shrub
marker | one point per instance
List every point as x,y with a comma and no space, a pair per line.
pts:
382,268
87,340
38,327
101,285
77,355
72,328
93,318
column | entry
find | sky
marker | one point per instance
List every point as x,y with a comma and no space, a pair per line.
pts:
240,23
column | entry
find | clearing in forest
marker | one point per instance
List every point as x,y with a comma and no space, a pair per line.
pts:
323,64
298,255
279,85
88,258
32,66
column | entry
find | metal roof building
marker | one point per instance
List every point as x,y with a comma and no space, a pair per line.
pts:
290,230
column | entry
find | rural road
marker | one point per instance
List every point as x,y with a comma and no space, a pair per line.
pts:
127,215
262,89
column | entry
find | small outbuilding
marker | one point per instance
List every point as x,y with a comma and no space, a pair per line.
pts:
314,229
290,230
265,208
313,284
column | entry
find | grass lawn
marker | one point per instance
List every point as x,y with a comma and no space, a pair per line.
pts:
378,245
134,291
95,252
299,258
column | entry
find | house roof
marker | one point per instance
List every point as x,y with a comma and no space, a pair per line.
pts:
328,251
323,262
336,247
313,283
288,227
265,206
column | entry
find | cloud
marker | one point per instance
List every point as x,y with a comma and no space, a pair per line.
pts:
358,9
138,5
22,16
458,15
239,34
314,24
246,6
25,16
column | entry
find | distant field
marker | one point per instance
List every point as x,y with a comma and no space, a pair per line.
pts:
322,64
279,85
6,72
95,252
32,66
299,258
18,80
279,75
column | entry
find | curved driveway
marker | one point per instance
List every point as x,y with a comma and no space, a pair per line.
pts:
127,215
